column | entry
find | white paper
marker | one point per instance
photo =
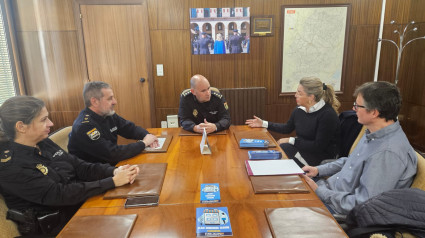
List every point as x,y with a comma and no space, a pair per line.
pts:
274,167
161,143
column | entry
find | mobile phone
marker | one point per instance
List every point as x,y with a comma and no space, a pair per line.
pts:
141,201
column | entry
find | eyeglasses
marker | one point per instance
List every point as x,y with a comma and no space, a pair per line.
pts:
356,106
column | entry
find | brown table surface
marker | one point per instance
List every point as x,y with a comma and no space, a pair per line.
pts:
187,170
179,220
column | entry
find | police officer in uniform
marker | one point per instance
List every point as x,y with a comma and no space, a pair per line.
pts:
203,107
95,131
236,42
203,44
42,184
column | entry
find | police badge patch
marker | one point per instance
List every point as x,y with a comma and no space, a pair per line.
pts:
43,169
226,106
195,113
93,134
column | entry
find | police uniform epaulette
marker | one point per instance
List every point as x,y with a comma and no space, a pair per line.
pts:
186,92
5,156
216,93
86,119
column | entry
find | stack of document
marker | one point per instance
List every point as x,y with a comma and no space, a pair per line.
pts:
272,167
248,143
264,154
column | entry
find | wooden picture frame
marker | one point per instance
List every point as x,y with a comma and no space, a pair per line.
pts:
314,42
262,25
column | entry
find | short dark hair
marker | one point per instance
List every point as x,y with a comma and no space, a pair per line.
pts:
382,96
18,108
93,90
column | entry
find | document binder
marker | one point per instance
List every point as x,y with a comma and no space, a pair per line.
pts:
148,182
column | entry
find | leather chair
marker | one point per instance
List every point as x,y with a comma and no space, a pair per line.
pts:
7,227
61,137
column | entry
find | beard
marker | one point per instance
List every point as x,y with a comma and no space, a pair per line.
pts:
109,112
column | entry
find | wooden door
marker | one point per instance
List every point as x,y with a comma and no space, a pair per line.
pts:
117,48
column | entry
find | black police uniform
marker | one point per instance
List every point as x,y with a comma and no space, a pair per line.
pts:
94,138
49,178
192,112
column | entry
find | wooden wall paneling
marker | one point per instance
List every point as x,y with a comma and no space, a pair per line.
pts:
57,79
413,124
43,15
172,49
171,14
254,69
153,14
366,12
256,7
62,119
416,11
363,62
218,69
32,65
161,114
397,10
272,48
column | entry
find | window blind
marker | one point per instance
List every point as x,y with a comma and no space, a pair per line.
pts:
7,81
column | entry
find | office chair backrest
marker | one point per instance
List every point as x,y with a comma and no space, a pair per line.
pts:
419,181
7,227
350,129
61,137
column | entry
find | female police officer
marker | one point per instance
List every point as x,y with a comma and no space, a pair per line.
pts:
42,184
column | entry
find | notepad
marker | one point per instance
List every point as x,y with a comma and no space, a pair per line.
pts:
160,142
272,167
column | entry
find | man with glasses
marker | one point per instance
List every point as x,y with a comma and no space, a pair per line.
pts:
382,160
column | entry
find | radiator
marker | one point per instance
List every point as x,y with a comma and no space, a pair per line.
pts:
244,103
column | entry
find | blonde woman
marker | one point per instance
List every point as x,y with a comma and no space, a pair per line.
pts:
315,122
219,47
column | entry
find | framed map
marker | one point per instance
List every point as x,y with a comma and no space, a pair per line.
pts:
314,42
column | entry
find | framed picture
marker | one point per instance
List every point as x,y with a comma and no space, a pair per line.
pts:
219,30
262,25
314,43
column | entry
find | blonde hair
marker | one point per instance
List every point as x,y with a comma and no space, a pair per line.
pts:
314,86
219,37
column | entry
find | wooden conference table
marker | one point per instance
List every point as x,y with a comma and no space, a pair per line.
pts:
180,196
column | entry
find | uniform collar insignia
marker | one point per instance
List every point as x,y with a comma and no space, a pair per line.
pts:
195,113
5,156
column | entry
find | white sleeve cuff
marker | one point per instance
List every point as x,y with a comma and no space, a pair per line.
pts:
292,140
265,124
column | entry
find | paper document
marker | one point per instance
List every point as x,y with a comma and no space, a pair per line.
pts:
273,167
161,141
